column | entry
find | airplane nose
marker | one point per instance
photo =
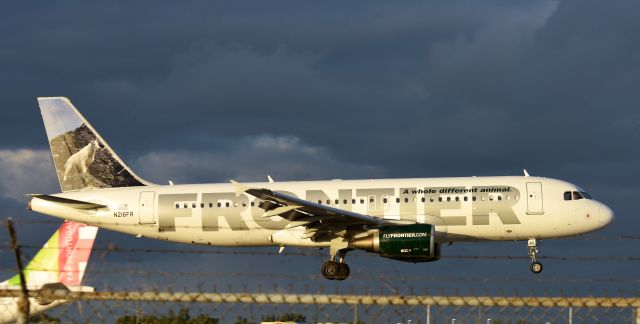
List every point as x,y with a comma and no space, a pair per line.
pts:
606,215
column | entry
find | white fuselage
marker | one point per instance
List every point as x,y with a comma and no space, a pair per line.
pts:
9,308
9,312
462,209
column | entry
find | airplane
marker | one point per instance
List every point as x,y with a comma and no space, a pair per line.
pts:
57,268
401,219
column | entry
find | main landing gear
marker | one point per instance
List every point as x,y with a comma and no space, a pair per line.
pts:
333,270
536,266
336,268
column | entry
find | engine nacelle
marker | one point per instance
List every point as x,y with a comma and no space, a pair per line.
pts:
412,243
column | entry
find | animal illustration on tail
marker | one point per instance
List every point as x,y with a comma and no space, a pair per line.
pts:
82,159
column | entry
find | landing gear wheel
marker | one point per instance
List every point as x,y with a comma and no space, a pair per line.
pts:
536,267
331,269
343,272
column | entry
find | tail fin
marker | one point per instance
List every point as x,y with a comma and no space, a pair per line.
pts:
62,259
82,158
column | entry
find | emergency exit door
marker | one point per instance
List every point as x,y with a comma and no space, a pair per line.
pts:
147,207
534,198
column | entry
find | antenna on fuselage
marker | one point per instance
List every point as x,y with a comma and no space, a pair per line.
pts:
526,174
270,178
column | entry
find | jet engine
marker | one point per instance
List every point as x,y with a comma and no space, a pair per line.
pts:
411,243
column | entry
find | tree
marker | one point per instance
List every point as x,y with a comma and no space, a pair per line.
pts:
183,317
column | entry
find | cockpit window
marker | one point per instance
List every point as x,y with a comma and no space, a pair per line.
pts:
577,195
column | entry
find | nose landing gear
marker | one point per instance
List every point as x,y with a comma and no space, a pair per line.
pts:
536,266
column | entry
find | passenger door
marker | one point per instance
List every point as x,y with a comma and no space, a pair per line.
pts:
534,198
147,207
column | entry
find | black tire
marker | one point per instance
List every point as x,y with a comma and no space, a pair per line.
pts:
330,270
344,271
536,267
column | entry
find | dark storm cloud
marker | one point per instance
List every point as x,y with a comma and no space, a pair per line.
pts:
394,85
412,88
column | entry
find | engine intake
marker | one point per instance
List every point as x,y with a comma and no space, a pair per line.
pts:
412,243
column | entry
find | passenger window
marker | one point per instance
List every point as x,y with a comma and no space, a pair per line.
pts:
457,198
440,199
490,198
466,198
499,197
210,205
319,202
371,200
384,200
219,205
362,201
431,199
177,205
226,204
252,204
473,198
353,201
398,200
406,200
482,198
448,198
244,204
344,201
186,205
422,199
328,202
201,205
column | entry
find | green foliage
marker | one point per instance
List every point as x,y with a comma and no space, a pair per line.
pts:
286,317
243,320
43,318
183,317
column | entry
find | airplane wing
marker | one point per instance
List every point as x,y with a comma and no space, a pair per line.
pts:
319,220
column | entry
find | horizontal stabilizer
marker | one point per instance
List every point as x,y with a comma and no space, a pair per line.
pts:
72,203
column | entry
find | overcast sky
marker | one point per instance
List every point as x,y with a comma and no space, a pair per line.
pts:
209,91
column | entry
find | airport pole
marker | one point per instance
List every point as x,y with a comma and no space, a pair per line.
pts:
355,313
23,301
570,315
428,314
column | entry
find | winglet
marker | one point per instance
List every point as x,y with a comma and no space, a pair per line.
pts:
240,189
